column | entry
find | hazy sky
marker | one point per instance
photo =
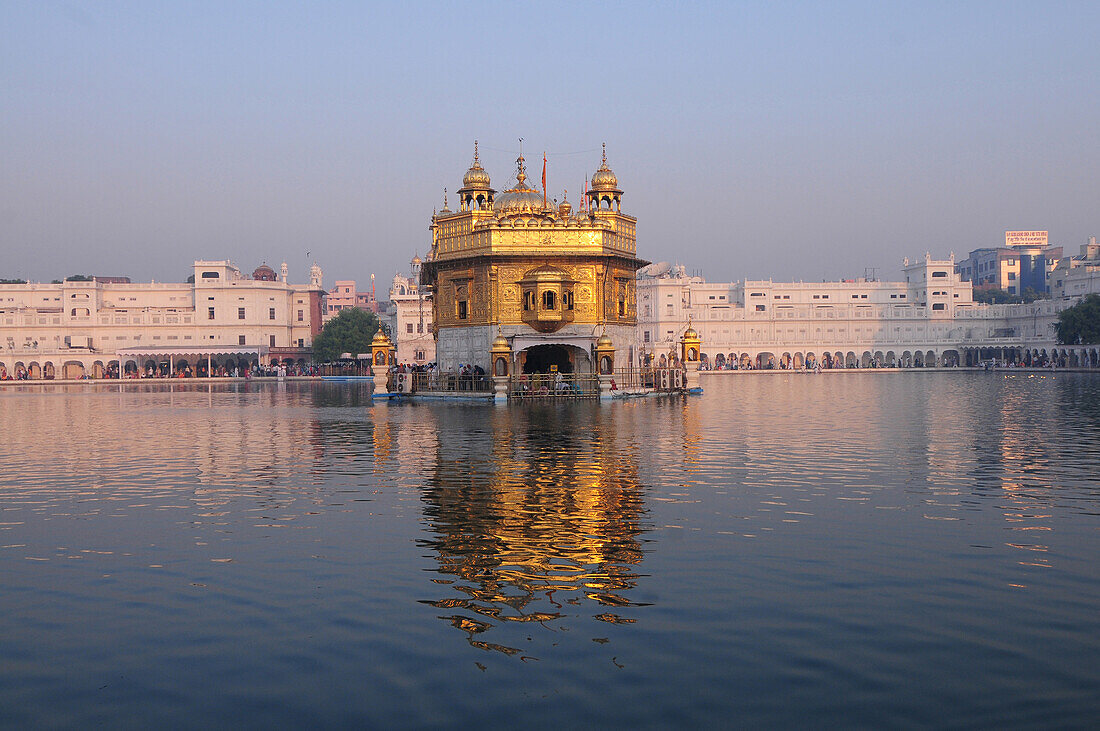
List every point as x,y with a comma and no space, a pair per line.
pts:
782,140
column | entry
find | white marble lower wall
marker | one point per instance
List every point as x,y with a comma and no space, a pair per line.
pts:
456,347
470,345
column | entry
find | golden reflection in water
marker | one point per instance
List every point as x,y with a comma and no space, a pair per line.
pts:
382,438
693,438
541,527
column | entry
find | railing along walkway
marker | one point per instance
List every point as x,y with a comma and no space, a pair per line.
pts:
649,379
449,383
528,386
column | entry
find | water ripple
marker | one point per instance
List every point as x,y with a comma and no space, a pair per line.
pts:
907,549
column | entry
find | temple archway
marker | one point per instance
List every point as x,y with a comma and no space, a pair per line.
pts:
543,358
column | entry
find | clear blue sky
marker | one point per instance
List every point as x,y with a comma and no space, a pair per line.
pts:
782,140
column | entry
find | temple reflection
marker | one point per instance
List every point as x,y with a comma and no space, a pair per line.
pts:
546,523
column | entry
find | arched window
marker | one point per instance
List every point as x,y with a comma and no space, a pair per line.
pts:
462,302
549,300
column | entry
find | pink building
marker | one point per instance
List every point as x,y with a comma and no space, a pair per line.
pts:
344,295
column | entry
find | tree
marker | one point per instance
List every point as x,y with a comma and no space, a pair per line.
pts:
349,332
13,281
79,278
996,296
1030,294
1080,324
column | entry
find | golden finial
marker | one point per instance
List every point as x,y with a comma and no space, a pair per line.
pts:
521,173
444,199
605,153
475,152
564,197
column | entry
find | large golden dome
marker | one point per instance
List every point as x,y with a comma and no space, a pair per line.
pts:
520,198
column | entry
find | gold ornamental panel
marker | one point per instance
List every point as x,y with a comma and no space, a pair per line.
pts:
493,294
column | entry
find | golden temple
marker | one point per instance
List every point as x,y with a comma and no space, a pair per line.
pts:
549,278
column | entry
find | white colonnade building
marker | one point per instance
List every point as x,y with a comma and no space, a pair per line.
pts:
928,318
95,329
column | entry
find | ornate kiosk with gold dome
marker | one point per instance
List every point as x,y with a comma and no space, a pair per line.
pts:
548,279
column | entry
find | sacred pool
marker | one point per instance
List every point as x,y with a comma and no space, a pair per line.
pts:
872,549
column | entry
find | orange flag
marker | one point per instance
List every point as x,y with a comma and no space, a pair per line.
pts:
544,180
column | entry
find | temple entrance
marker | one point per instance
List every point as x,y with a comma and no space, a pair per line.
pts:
539,358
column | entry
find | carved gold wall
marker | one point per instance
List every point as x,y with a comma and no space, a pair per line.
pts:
493,294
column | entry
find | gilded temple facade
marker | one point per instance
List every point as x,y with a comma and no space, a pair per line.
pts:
550,279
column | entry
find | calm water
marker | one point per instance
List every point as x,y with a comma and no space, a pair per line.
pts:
857,549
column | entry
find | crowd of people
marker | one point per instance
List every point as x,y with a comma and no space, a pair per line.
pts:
428,377
21,374
825,363
273,370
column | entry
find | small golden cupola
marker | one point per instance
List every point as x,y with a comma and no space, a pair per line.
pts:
565,208
500,352
475,193
381,347
605,192
605,355
690,344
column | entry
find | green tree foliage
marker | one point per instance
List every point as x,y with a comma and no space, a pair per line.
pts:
79,278
1080,324
1031,294
996,297
13,281
349,332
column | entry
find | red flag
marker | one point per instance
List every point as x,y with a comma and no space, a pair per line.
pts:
544,180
